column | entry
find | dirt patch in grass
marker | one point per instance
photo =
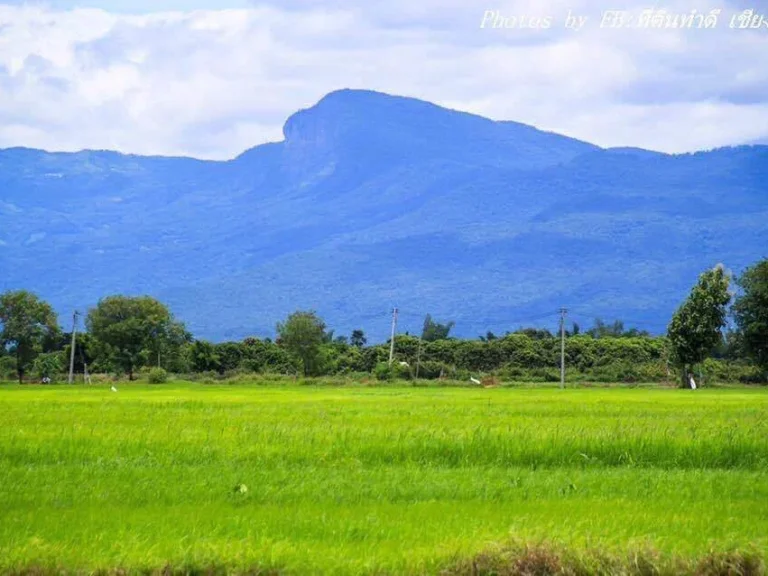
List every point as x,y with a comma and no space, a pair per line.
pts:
524,560
546,560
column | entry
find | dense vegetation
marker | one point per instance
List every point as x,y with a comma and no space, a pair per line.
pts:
361,480
126,335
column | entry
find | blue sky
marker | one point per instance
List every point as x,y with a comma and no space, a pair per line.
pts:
210,79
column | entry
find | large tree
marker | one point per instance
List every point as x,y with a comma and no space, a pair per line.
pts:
696,327
303,335
434,331
167,345
751,312
358,339
205,357
27,323
127,329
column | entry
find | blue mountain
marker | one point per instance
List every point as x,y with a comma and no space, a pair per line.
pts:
373,201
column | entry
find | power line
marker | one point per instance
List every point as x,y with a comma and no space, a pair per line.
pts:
626,321
541,316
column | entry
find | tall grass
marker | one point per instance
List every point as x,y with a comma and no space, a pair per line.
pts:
366,480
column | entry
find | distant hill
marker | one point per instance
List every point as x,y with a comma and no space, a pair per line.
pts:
373,201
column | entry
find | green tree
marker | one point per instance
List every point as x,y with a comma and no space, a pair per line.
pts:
48,365
696,327
126,329
535,333
603,330
434,331
302,335
614,330
167,344
7,367
86,349
751,313
205,357
266,356
358,339
341,342
27,323
230,355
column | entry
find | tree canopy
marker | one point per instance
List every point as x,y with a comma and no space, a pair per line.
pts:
696,327
302,335
434,331
129,329
358,339
751,312
27,322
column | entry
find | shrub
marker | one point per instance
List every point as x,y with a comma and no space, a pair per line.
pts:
511,373
752,375
383,371
461,374
47,366
545,375
250,366
431,370
7,368
402,372
157,376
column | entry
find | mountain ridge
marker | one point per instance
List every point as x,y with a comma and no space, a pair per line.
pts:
336,94
379,204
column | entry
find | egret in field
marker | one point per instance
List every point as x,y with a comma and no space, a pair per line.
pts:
475,380
114,389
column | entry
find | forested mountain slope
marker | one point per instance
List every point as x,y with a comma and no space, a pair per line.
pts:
372,201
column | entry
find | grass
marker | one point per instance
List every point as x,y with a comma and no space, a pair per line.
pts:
376,480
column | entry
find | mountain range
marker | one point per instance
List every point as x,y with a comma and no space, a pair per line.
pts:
373,201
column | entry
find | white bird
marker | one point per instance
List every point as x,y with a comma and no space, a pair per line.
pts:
114,389
404,364
475,380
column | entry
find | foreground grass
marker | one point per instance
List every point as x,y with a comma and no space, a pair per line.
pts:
374,480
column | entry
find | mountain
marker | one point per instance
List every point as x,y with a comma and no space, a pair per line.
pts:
372,201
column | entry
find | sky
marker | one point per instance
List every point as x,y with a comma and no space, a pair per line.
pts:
211,79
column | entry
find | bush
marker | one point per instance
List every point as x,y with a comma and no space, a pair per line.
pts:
511,373
462,375
47,366
157,376
7,368
752,375
383,371
729,371
431,370
544,375
402,372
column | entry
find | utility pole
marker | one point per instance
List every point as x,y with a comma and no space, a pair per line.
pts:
563,312
72,352
418,358
392,340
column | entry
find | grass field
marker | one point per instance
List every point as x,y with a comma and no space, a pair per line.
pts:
372,480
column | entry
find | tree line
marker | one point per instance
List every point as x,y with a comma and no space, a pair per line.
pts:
127,335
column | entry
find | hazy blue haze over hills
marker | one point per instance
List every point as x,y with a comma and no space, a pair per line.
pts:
373,201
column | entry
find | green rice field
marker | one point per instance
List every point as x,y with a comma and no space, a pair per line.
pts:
357,480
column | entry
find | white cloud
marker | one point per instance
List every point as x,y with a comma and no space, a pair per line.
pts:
212,83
